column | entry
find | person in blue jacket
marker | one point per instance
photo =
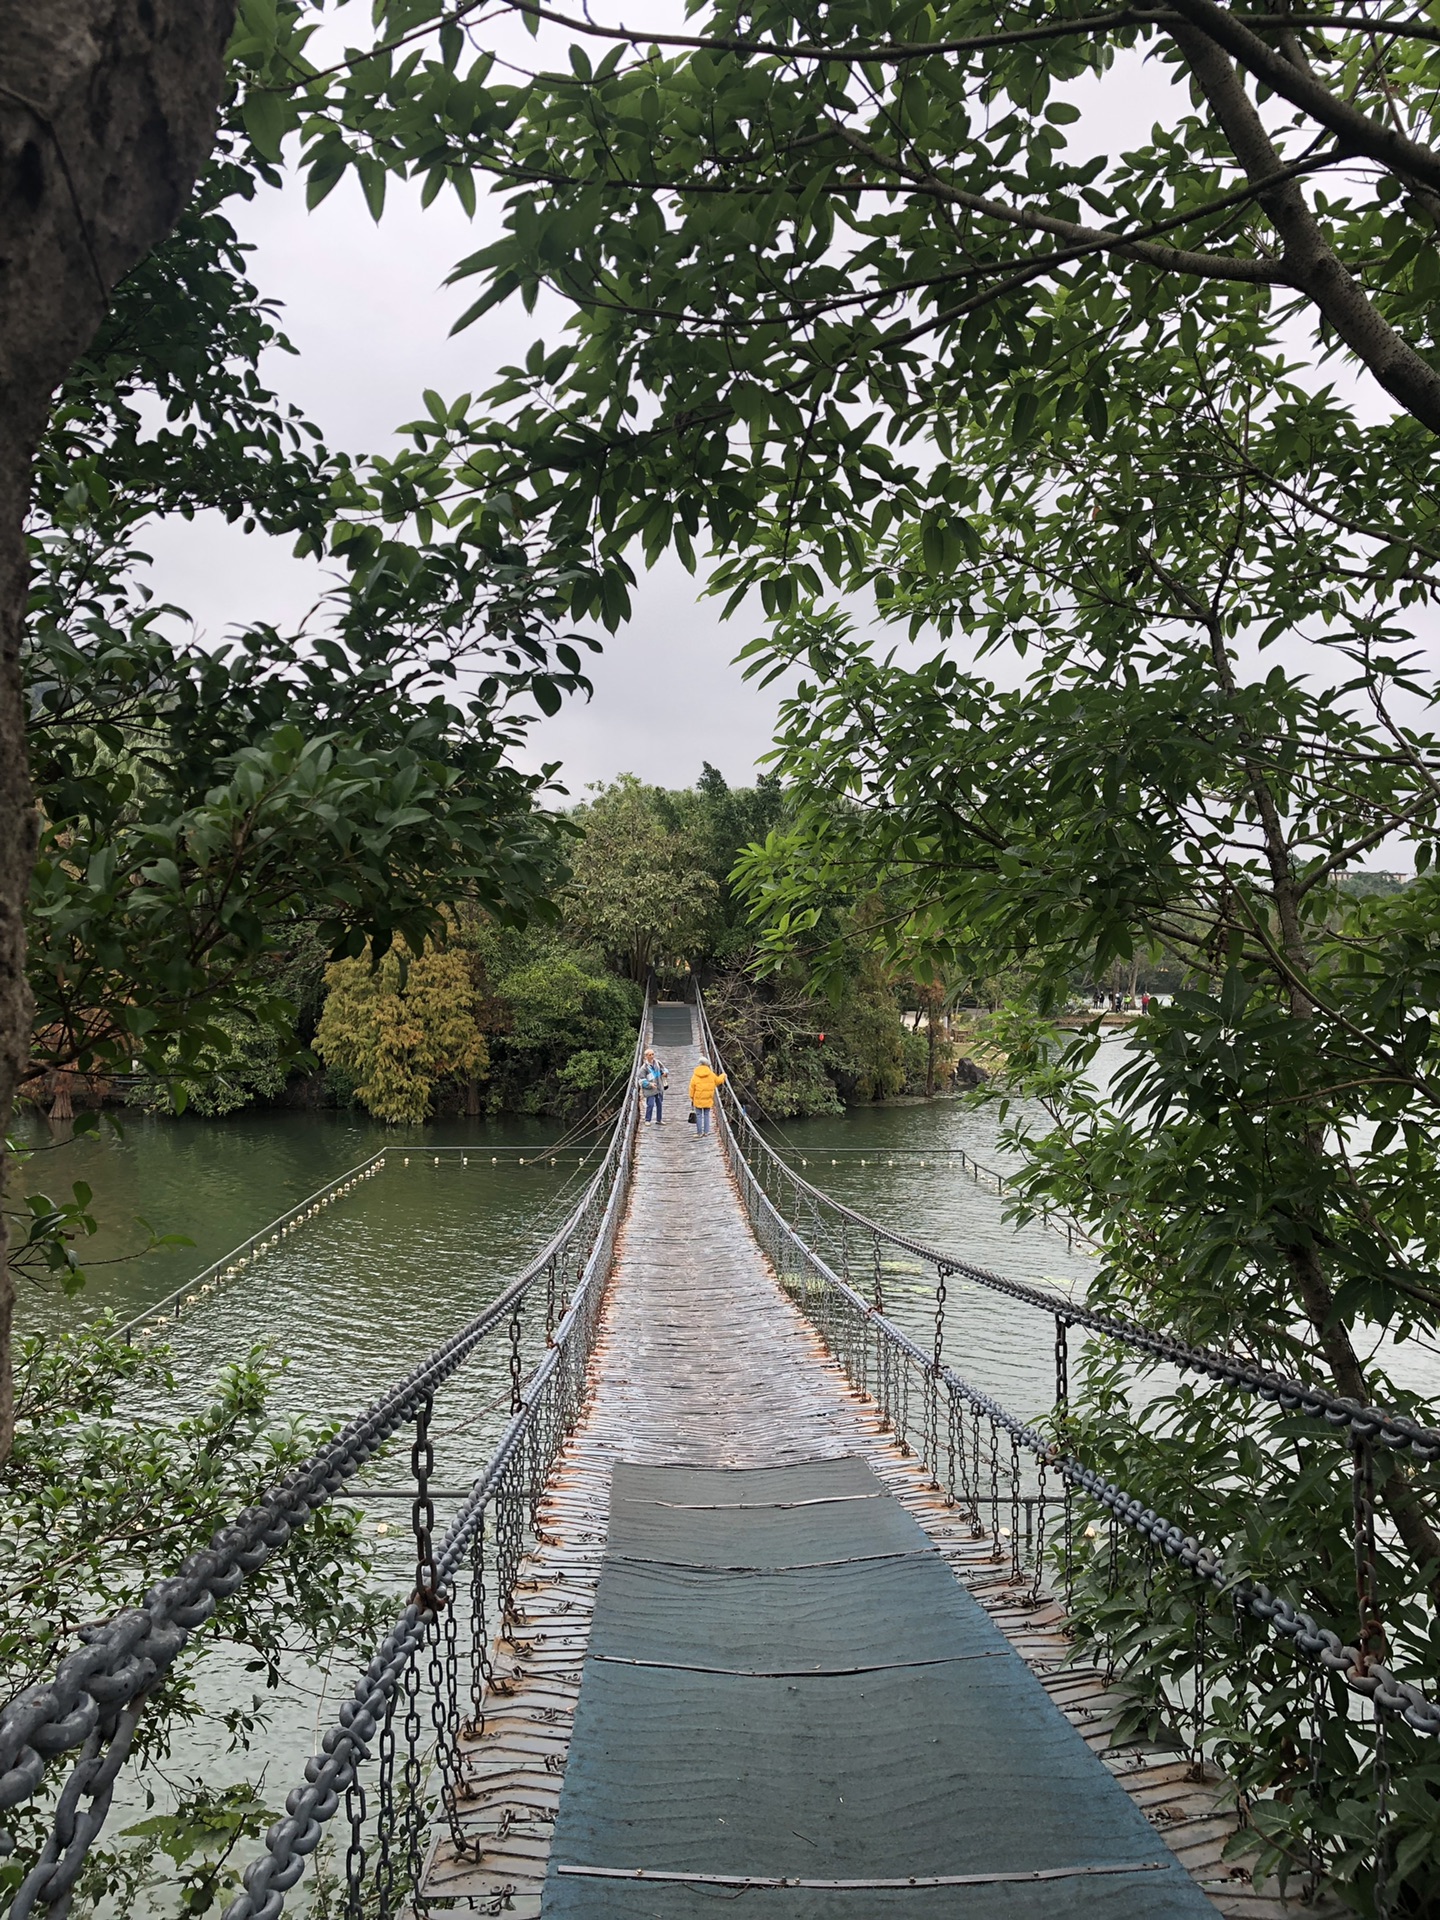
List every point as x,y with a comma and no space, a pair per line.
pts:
653,1082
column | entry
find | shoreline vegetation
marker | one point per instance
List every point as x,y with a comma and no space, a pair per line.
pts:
540,1020
1094,567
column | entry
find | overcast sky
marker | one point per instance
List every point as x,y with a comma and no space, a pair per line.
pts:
367,308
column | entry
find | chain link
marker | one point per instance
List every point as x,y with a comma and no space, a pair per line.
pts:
384,1858
422,1508
1383,1907
355,1812
412,1803
1370,1635
1015,1543
1392,1429
1062,1440
551,1401
900,1355
516,1364
92,1700
1315,1783
1039,1532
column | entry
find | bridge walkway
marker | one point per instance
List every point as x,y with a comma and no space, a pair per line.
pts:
729,1515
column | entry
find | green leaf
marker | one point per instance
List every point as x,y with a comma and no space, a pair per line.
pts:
268,117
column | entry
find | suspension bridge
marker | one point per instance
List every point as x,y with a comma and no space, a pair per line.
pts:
758,1598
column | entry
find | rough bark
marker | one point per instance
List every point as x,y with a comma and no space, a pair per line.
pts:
107,113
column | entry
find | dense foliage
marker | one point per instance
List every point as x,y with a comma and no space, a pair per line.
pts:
1260,1175
206,809
213,819
798,243
102,1496
397,1024
640,889
541,1019
862,301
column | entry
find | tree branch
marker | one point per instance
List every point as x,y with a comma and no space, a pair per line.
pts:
1311,264
1357,130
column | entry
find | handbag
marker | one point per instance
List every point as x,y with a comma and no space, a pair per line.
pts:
691,1116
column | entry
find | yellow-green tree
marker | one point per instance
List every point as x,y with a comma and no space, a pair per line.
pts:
400,1028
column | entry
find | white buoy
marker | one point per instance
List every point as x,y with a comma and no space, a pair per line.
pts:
407,1159
494,1160
437,1159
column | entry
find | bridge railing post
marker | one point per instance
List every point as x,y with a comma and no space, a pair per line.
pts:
1062,1442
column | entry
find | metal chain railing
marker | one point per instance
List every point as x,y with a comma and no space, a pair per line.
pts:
383,1878
850,1325
1069,1230
885,1363
93,1700
1397,1431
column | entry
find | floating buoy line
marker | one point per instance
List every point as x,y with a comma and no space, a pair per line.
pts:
155,1320
481,1158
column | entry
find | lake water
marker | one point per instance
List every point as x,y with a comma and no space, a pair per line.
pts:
356,1296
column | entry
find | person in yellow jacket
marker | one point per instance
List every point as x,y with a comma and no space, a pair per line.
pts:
703,1082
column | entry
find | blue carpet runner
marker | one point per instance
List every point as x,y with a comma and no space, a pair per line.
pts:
790,1703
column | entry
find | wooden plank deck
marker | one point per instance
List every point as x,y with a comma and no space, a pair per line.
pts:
703,1360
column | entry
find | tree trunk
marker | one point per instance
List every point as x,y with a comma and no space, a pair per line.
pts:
62,1107
1313,1289
107,114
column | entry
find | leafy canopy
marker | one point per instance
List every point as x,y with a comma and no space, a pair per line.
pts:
803,249
399,1024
